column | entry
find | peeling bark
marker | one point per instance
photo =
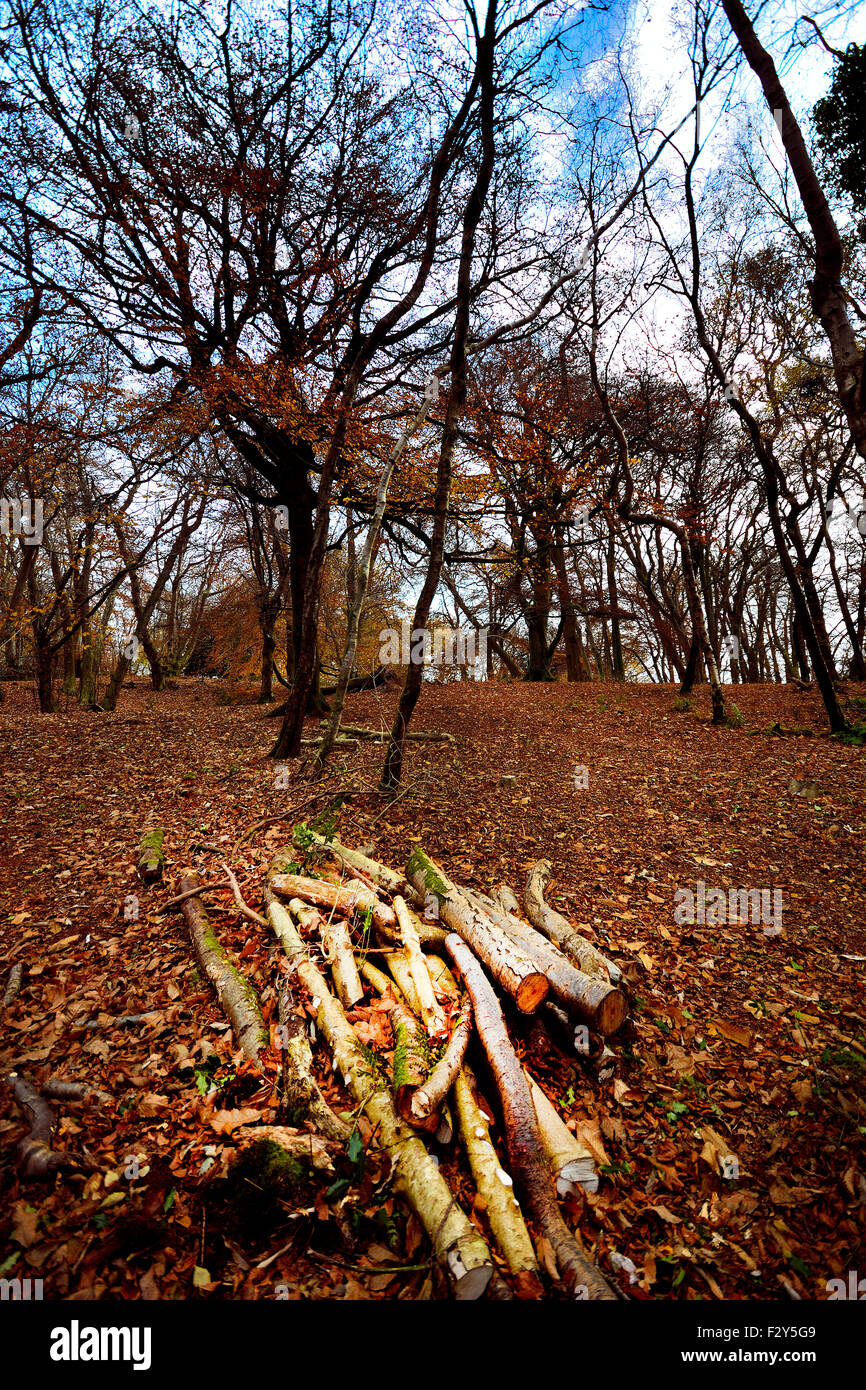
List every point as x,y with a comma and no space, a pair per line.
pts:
524,1139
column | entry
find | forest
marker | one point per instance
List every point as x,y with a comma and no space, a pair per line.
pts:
432,653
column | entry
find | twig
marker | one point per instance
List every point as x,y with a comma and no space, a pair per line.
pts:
192,892
238,897
270,820
395,799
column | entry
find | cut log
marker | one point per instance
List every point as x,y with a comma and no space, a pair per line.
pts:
571,1162
430,1095
383,877
571,1036
55,1089
516,973
443,981
595,1002
585,955
235,993
458,1247
506,899
431,1012
338,947
432,938
410,1062
526,1156
380,874
354,896
302,1096
410,1066
151,860
398,965
496,1190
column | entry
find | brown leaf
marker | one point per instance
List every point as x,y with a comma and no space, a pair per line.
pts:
24,1222
225,1121
734,1032
666,1214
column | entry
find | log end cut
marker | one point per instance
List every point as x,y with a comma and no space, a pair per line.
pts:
531,993
612,1012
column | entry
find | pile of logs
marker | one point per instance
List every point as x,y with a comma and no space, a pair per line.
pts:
447,959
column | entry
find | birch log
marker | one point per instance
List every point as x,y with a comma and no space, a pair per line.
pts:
524,1139
235,994
338,947
380,874
353,896
518,975
432,1012
597,1003
585,955
444,983
496,1190
430,1095
461,1251
506,898
571,1162
431,1089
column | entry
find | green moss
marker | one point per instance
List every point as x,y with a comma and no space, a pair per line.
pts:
409,1056
734,718
419,863
150,854
151,843
268,1166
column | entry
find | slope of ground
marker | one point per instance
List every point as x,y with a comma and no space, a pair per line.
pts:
760,1037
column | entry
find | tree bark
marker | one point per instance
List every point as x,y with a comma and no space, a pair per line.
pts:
518,975
458,1247
236,995
826,291
560,931
525,1149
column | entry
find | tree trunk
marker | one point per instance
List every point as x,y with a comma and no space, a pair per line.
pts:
393,765
118,676
617,663
268,613
360,578
827,294
44,670
575,666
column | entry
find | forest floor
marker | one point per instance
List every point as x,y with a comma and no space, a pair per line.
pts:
761,1037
